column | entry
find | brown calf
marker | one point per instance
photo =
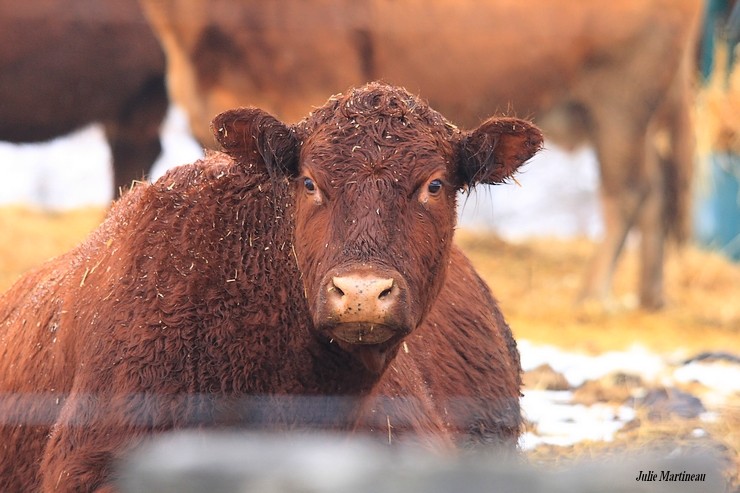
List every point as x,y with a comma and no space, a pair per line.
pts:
309,261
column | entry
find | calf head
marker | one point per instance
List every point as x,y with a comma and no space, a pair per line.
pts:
375,175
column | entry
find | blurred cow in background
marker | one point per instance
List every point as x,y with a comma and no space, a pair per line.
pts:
615,74
64,65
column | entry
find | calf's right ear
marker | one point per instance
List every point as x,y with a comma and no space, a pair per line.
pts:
253,135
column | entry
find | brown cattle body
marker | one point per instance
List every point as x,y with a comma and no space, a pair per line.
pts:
64,65
609,69
228,293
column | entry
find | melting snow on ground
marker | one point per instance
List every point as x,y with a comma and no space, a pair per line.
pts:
558,421
577,368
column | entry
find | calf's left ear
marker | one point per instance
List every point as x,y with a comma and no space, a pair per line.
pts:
251,135
494,151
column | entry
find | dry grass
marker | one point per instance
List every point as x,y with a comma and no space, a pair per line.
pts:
538,281
29,237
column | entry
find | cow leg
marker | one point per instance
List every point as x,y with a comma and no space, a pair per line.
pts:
669,171
93,431
134,136
79,452
21,445
652,236
621,152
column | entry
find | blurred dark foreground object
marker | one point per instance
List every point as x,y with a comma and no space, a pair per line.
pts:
240,463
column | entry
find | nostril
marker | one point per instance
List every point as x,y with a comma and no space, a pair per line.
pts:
336,289
386,292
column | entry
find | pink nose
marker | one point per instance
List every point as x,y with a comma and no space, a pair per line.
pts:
361,298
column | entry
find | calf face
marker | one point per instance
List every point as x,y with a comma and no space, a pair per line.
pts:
374,175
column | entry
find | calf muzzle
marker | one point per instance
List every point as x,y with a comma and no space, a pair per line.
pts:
364,307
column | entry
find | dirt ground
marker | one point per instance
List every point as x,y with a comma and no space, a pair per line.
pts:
536,283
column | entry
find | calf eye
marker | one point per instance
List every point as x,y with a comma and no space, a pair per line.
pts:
310,185
435,186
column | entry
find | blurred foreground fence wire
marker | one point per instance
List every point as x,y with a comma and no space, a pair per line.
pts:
240,463
257,412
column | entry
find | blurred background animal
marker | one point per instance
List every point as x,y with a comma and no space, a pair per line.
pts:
64,65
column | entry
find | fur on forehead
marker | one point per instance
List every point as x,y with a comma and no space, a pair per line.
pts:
372,101
376,111
379,115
